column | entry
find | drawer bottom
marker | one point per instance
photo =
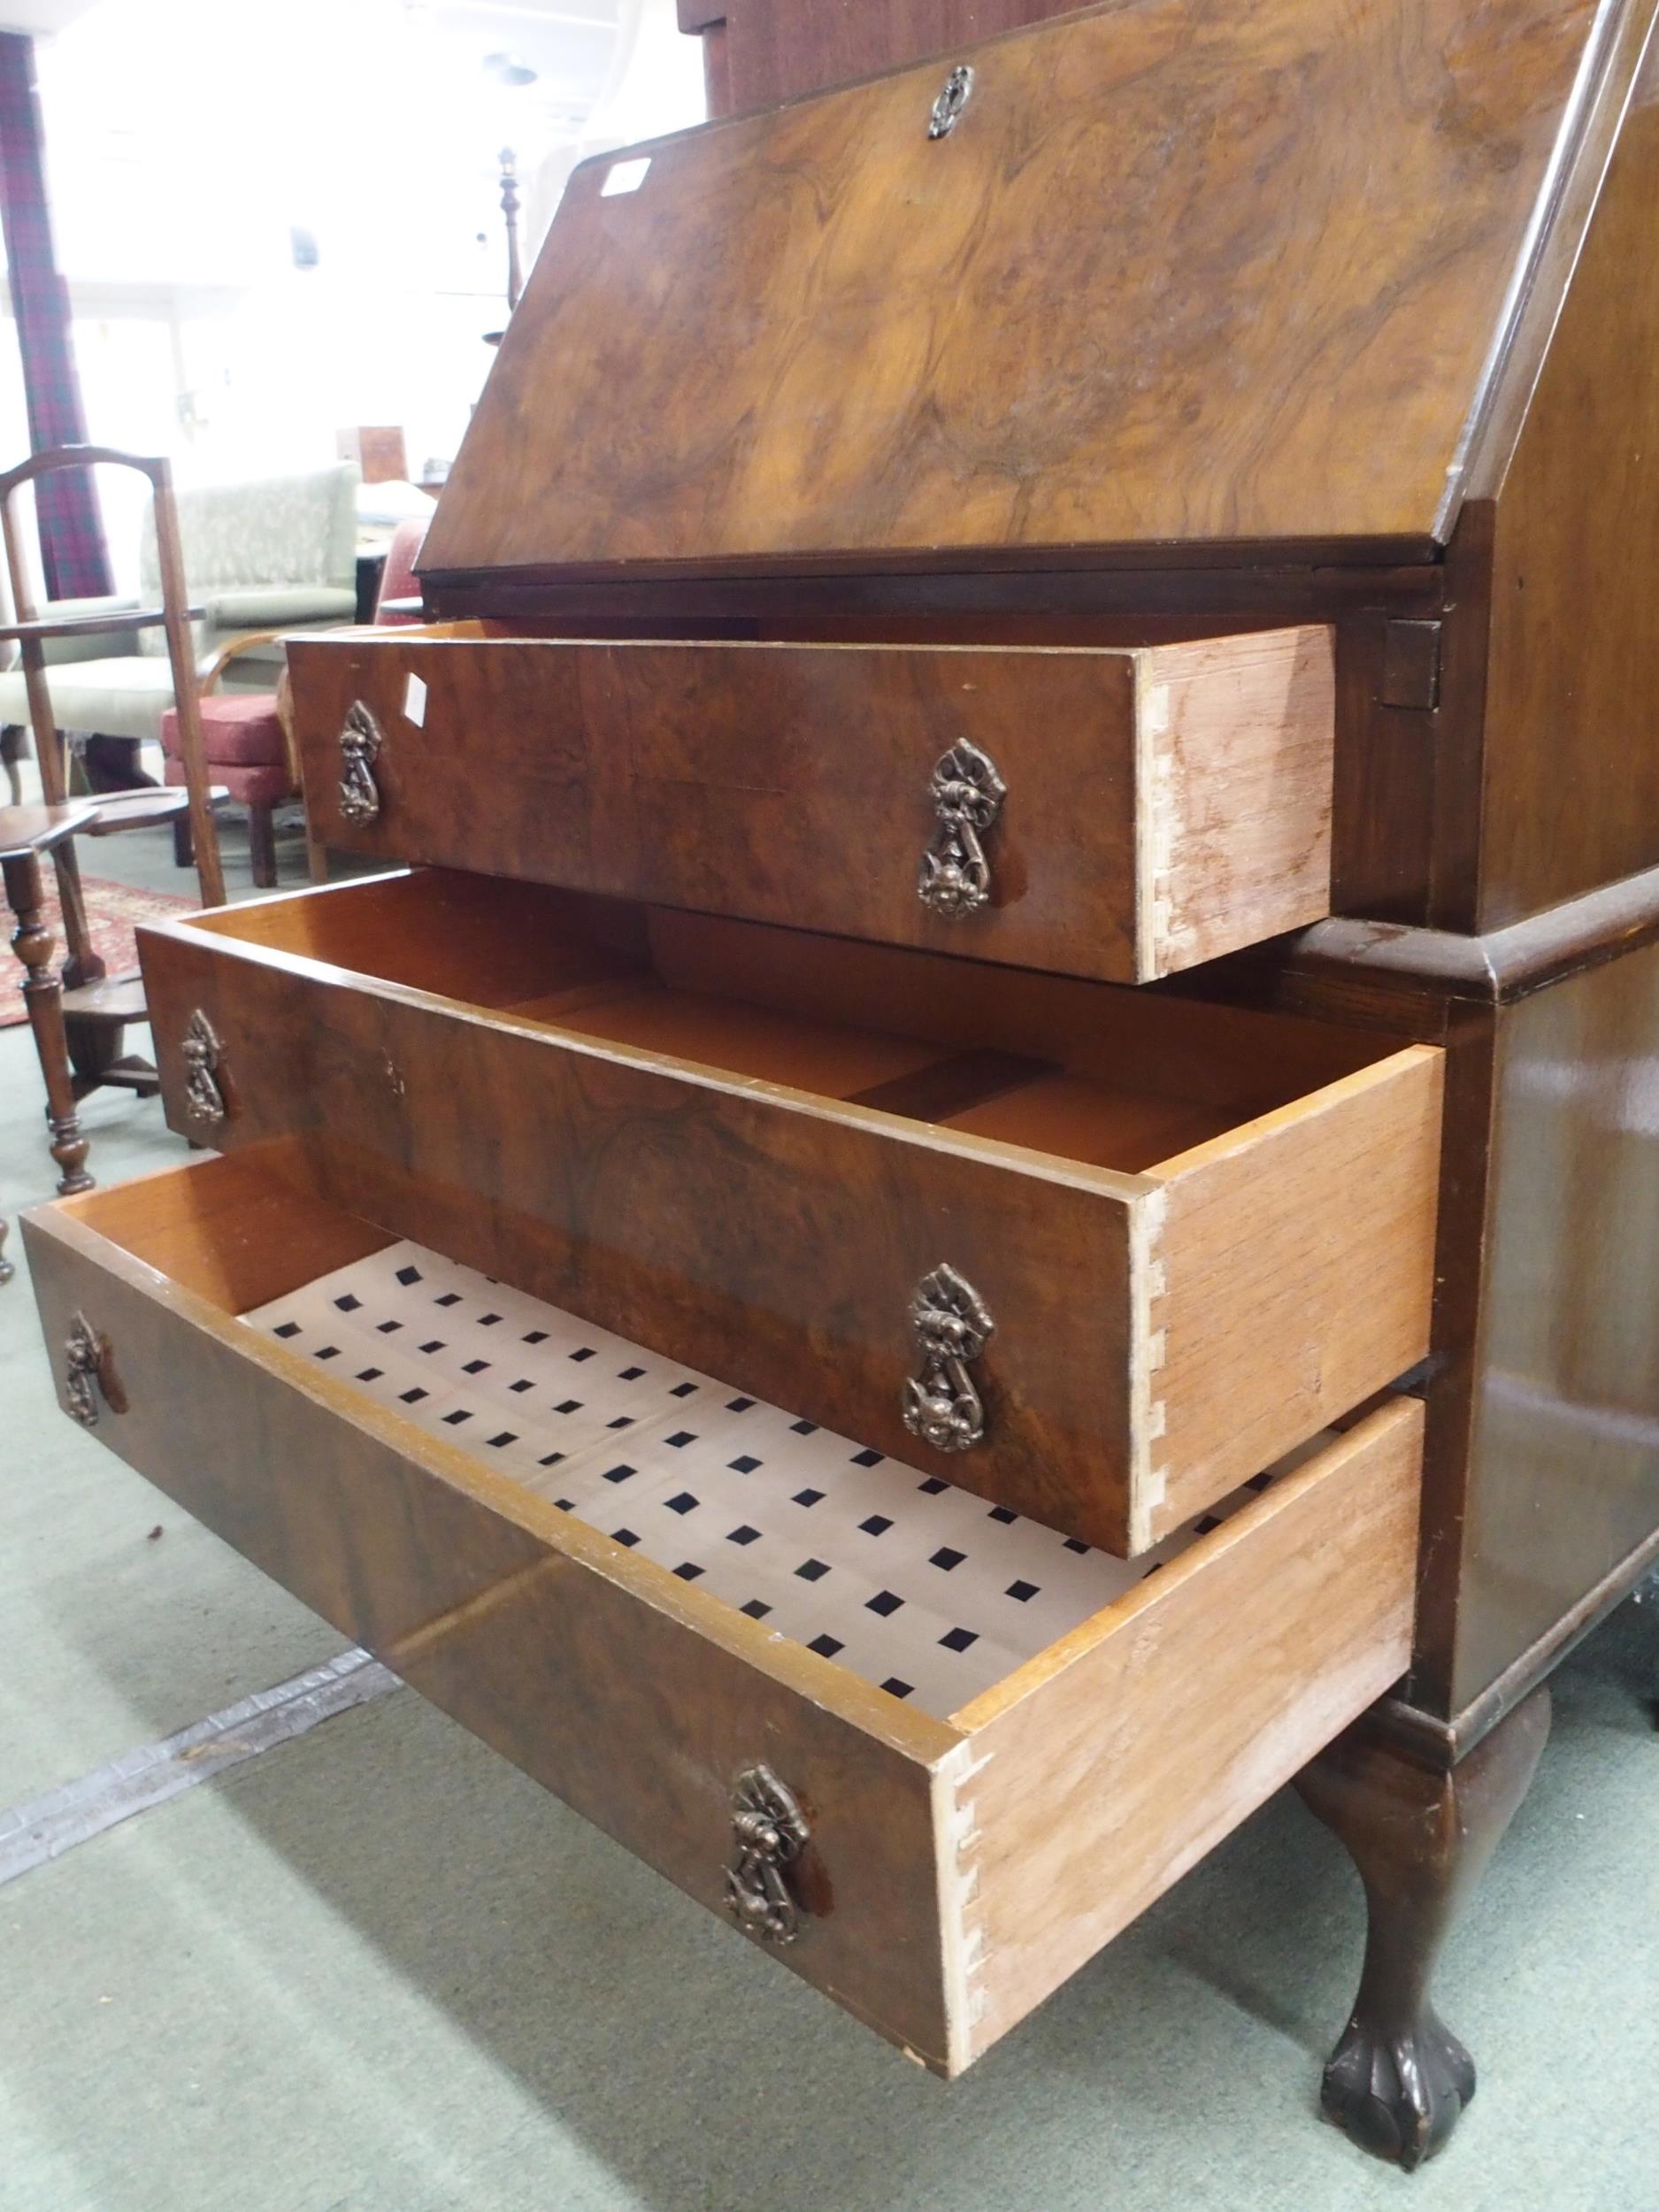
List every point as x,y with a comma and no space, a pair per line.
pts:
899,1577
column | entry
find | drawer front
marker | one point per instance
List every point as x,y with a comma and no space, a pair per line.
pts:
1115,814
954,1871
1155,1340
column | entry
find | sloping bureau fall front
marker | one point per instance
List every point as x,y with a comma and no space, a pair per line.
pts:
979,878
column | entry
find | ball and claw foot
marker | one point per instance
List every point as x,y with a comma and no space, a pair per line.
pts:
1420,1837
1399,2096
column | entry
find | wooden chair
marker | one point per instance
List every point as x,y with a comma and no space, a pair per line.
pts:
83,1051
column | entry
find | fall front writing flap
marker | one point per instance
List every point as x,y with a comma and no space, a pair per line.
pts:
1168,273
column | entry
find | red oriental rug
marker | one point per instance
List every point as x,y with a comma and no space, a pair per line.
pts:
113,911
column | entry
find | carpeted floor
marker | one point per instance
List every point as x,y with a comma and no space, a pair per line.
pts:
377,1971
114,911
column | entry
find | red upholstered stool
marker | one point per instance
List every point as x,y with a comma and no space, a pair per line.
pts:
246,752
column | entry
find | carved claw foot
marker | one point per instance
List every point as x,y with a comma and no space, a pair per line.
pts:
1420,1837
1399,2096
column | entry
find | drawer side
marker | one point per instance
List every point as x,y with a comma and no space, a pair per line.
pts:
1094,1779
1292,1275
1238,749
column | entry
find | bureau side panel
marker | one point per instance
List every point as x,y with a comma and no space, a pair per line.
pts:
775,1248
1571,797
636,1716
1565,1475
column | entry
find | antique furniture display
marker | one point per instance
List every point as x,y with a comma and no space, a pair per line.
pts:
1032,842
79,1039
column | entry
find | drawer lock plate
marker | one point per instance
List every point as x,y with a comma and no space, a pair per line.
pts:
89,1372
360,744
952,1325
968,796
201,1053
768,1832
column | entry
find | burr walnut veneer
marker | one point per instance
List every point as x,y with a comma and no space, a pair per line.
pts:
1024,821
1175,801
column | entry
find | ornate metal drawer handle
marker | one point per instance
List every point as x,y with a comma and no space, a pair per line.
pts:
89,1371
952,1325
359,742
201,1052
769,1831
968,796
954,97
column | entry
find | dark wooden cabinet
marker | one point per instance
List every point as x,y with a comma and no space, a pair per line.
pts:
1036,838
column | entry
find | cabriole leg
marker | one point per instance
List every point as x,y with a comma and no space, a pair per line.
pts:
1399,2079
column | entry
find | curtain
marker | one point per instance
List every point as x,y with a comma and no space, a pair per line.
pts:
74,560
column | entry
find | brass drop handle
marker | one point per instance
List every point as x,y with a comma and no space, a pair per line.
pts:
89,1373
967,795
952,1325
201,1054
768,1832
360,741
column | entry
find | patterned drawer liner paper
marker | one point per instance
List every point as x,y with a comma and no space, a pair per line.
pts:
921,1588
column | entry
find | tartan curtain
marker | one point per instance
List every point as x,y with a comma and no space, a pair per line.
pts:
75,561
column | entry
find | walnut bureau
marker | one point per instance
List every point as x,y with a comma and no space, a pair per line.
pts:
1024,826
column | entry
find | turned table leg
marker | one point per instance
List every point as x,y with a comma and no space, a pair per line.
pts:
1399,2079
43,995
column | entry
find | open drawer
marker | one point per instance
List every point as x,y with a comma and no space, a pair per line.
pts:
1097,1254
936,1871
1118,814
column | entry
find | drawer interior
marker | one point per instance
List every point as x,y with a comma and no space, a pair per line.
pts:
991,1784
1100,1074
921,1589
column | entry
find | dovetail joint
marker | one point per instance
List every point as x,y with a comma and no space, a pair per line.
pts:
1148,1293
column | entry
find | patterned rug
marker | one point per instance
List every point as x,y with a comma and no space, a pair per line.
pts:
113,911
